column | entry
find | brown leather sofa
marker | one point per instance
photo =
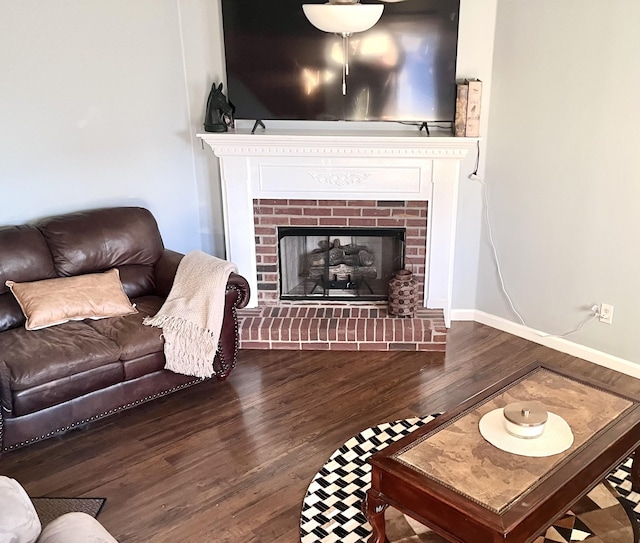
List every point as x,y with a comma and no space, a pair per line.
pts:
65,376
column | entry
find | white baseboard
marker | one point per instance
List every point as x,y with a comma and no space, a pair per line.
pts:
557,343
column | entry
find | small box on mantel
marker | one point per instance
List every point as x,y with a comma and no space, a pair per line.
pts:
460,121
468,101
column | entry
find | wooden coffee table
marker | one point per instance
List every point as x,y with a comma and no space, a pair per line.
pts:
446,476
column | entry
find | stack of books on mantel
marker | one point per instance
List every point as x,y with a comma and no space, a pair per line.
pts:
467,119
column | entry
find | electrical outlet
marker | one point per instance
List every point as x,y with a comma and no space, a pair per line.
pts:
606,313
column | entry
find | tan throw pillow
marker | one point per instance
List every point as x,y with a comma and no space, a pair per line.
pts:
54,301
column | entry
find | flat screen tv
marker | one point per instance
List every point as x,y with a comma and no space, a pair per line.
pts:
279,66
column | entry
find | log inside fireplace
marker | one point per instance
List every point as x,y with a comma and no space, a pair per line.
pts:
337,263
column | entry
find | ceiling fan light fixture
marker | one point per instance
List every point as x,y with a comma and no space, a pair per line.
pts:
343,17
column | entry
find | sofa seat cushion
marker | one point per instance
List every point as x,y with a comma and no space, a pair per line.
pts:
68,388
133,338
143,365
33,358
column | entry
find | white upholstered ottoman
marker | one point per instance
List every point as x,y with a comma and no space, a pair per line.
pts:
19,522
75,528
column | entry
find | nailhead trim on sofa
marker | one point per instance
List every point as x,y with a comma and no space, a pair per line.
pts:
226,368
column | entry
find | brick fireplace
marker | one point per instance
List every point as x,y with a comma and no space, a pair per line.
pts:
269,214
287,177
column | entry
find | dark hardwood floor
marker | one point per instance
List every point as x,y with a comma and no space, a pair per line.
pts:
231,462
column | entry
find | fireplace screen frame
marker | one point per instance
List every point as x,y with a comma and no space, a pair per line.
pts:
327,288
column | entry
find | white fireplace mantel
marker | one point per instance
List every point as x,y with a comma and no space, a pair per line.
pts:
342,165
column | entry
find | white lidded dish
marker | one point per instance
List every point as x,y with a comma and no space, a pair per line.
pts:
525,420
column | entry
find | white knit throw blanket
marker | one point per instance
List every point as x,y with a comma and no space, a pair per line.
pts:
191,317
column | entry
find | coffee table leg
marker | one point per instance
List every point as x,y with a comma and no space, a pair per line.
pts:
635,471
373,508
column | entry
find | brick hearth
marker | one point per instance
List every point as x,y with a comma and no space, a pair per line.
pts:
340,328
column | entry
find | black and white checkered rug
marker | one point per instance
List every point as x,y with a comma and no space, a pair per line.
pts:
331,507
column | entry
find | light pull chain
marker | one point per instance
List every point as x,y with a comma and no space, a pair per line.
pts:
345,62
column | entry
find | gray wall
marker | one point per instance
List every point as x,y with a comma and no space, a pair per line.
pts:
100,102
563,167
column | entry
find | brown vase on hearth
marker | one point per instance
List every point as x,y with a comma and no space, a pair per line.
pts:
403,294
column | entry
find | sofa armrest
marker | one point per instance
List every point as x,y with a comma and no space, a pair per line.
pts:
165,271
241,284
236,297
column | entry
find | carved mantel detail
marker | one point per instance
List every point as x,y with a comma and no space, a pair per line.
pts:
339,178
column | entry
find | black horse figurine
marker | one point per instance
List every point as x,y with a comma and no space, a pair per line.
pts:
219,115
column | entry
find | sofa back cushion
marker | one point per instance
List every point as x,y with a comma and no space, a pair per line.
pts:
24,256
92,241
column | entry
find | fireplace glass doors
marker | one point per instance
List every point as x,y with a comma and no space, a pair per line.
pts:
338,263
